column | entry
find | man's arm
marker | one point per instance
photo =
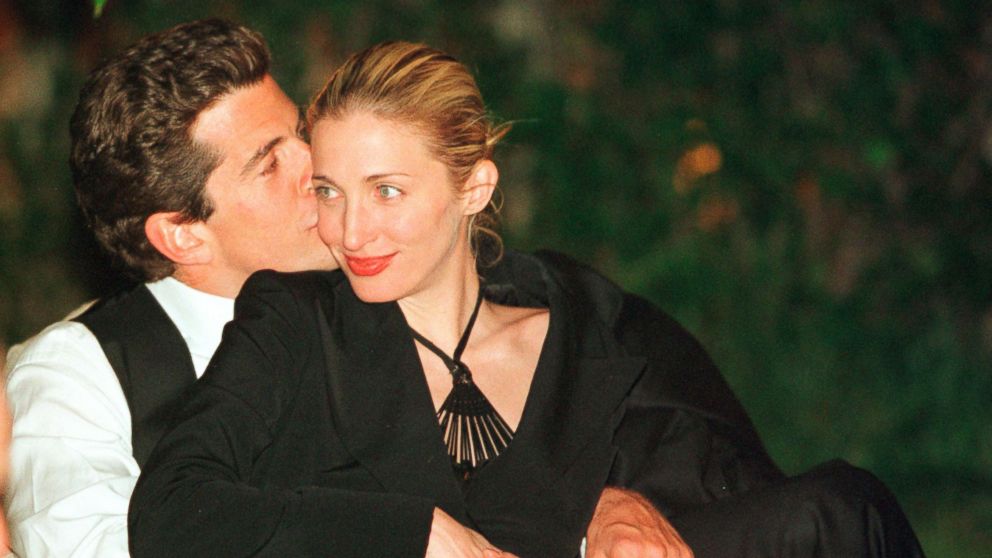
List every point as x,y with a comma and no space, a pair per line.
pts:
5,426
626,525
71,469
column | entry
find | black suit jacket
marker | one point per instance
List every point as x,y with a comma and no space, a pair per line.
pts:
313,432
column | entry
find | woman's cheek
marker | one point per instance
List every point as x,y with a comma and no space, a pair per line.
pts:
328,226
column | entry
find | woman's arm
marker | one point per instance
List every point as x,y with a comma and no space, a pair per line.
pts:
199,495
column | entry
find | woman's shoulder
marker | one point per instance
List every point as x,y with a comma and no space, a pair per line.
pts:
301,282
287,294
598,296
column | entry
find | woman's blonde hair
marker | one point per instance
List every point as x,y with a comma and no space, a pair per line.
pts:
431,91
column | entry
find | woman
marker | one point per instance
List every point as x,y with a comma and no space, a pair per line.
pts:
408,403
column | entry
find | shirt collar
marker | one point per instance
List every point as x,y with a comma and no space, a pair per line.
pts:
199,316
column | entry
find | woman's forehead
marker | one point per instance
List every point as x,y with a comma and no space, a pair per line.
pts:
364,144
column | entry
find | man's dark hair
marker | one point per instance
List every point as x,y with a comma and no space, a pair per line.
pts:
133,153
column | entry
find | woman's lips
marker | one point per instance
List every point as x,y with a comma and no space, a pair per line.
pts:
366,267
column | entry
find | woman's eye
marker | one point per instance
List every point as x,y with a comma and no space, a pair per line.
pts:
387,192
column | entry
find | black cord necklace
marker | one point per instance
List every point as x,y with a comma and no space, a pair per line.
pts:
472,428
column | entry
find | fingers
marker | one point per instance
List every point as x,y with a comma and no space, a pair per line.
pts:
619,540
626,525
643,551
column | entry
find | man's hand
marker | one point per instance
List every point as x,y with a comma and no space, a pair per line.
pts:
626,525
450,539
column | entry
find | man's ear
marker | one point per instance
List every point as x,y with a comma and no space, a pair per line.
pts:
182,243
480,186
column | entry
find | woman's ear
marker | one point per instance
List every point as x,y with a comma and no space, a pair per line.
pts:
181,242
480,186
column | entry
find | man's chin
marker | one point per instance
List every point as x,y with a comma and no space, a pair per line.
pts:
324,264
321,259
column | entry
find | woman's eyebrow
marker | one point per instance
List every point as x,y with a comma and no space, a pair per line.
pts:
367,179
380,176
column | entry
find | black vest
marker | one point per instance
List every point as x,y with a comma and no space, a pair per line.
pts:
150,358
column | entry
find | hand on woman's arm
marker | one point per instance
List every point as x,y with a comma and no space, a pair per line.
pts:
450,539
626,525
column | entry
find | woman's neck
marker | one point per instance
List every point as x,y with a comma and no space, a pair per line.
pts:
441,312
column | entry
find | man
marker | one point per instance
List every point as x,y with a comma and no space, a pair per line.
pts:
188,167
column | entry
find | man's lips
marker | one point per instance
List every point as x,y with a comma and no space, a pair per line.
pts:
367,267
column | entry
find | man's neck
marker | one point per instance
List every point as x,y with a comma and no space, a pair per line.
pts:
209,281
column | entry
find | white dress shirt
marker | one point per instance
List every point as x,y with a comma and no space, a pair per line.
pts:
72,470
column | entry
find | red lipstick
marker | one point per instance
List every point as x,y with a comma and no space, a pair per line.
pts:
367,267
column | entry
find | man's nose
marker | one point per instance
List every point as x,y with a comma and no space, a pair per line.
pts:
301,153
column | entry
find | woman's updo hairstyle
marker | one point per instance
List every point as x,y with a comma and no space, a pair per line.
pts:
431,91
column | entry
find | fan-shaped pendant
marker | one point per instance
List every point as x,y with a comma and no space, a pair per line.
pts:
473,430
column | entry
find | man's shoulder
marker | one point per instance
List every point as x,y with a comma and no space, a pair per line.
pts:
62,338
62,331
71,347
113,306
63,358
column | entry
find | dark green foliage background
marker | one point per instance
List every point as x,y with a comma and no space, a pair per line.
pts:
835,257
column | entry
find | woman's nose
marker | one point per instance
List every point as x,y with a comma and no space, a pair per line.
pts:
358,227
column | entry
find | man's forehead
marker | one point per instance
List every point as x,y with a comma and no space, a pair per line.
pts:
246,119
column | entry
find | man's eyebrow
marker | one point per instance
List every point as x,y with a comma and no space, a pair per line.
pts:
260,154
302,130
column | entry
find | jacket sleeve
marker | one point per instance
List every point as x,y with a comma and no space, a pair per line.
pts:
684,439
196,495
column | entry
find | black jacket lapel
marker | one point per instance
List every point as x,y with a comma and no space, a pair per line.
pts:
537,498
380,402
583,391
